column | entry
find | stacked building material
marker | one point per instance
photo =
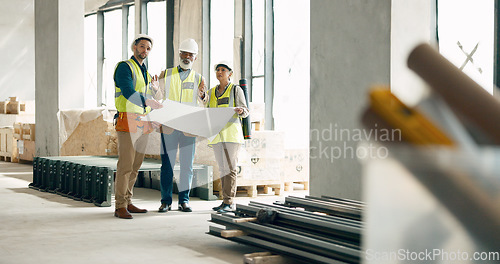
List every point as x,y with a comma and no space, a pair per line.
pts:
311,229
90,178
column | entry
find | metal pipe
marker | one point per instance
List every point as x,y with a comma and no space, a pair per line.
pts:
333,228
276,248
293,240
336,219
323,207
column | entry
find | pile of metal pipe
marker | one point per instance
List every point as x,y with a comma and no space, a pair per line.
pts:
311,229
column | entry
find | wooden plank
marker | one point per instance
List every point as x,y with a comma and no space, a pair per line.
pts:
244,220
263,258
232,233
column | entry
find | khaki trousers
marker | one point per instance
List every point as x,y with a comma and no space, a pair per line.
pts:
227,168
131,149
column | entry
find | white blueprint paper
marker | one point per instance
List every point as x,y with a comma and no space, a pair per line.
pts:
199,121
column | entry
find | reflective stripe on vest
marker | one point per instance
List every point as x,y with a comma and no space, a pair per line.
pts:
232,132
186,91
122,104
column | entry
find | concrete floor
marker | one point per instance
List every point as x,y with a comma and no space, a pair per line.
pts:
40,227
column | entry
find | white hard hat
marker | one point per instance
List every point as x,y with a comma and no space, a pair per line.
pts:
228,65
141,36
189,45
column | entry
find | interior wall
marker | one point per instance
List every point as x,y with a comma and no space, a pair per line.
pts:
17,29
350,51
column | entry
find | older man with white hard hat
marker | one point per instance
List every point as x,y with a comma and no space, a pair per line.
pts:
181,84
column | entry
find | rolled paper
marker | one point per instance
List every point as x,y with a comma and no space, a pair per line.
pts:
464,96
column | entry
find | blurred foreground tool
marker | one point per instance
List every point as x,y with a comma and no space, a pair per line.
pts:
414,126
458,189
476,108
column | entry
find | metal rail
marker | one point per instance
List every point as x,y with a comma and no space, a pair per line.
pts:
277,248
325,207
332,218
289,239
350,233
347,202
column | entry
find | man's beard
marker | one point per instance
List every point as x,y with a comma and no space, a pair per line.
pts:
185,65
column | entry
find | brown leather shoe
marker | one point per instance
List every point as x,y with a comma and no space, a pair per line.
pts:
123,213
133,209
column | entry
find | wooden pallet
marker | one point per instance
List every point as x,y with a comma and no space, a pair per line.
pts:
254,190
8,159
289,185
8,145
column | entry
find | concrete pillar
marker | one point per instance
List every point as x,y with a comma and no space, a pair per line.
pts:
350,51
356,44
59,67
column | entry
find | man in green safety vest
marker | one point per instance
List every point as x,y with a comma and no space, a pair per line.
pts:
134,91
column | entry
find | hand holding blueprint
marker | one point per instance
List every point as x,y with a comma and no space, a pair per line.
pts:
204,122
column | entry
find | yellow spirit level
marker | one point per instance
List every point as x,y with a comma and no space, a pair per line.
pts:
415,127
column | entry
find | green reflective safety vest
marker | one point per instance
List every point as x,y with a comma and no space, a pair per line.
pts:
122,104
232,132
186,91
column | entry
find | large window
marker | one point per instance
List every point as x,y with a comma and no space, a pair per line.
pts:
221,35
90,61
466,37
291,71
112,54
258,46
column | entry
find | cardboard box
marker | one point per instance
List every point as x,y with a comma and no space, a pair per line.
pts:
3,107
28,131
295,165
260,158
26,149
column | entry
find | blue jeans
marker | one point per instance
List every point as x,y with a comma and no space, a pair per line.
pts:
186,156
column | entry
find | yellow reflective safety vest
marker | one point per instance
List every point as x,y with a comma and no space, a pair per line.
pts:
232,132
186,91
125,106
